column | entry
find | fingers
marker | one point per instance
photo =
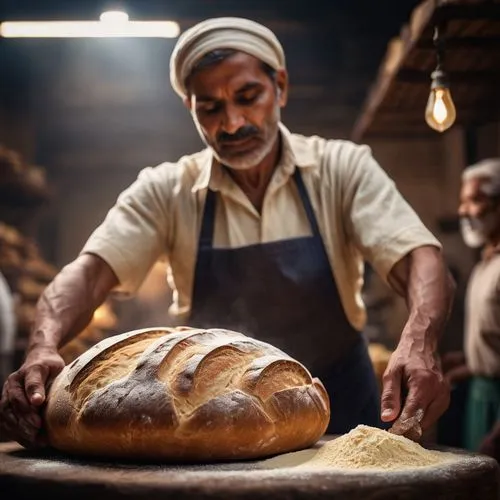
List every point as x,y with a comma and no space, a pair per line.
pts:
16,395
414,433
416,401
428,393
21,407
391,394
8,421
437,407
34,383
14,428
22,426
408,423
19,420
23,397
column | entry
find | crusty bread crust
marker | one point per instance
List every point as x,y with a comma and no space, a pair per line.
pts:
185,394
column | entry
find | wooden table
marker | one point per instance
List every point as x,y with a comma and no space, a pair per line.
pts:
25,474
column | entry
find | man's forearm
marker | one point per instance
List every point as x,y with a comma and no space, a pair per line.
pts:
66,306
424,281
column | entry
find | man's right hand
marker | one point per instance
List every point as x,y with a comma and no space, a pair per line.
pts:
24,394
64,309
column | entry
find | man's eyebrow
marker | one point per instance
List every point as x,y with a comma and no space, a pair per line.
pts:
247,86
205,98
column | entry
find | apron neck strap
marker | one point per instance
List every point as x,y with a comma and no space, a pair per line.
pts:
208,222
297,177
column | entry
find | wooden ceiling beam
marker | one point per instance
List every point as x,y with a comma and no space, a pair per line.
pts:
468,12
489,43
469,77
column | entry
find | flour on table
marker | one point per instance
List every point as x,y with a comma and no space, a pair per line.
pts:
363,447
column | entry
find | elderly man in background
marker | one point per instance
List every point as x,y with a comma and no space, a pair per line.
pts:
265,232
479,213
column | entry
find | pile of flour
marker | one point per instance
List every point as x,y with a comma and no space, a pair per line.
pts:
363,448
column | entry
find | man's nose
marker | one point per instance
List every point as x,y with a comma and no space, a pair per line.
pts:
462,210
233,120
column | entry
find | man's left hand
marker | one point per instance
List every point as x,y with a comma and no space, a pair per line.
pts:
416,369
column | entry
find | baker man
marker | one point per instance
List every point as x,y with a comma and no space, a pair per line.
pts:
266,232
479,212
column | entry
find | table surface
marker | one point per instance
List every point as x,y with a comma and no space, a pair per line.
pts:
24,472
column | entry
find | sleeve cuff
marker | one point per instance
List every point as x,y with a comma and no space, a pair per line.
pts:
394,249
117,261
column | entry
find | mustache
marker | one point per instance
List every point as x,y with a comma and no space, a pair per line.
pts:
244,132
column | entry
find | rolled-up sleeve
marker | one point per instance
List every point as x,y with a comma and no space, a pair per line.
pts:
383,225
134,233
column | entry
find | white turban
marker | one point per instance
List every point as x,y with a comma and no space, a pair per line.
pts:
487,169
222,33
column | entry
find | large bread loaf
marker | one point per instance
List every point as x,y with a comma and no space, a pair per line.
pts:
185,394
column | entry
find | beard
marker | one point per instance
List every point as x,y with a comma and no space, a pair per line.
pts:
264,139
477,230
473,237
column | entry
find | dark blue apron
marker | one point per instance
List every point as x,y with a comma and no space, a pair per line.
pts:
284,293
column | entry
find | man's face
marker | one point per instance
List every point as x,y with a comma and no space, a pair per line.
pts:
473,202
236,108
479,213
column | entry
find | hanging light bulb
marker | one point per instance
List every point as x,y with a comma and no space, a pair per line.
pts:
440,113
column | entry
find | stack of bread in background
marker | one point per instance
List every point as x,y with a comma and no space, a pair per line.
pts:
24,192
23,187
26,272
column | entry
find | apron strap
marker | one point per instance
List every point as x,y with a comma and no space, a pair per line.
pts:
306,203
208,222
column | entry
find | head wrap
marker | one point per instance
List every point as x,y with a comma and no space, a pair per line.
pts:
222,33
488,169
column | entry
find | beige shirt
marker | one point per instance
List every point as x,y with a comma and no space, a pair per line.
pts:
482,316
360,213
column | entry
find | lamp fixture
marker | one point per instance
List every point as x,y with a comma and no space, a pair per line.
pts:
112,24
440,112
114,16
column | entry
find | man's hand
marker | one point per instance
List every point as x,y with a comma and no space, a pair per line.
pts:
428,391
24,394
421,277
64,309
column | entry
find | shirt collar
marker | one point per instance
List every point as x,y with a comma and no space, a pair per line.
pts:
490,251
294,154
